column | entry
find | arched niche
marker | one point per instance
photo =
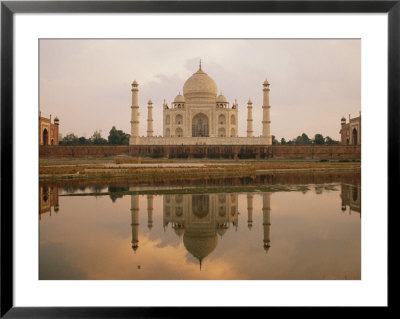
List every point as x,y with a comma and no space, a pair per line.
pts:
200,125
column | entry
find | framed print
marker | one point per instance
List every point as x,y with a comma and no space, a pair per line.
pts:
164,155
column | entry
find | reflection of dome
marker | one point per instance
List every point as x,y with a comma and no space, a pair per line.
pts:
200,244
179,231
200,85
221,231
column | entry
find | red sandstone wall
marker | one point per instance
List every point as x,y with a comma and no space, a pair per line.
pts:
323,151
82,151
230,151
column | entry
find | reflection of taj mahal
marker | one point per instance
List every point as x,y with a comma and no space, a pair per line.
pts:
200,219
199,116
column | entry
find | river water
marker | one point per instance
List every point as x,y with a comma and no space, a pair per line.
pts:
298,227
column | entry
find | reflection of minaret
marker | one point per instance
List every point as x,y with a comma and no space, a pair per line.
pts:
266,219
250,210
135,221
150,211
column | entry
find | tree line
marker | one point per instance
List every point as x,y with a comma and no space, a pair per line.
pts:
303,139
118,137
115,137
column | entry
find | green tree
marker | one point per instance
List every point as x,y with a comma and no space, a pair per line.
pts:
306,139
96,138
82,141
330,141
303,140
274,140
319,139
70,139
118,137
283,141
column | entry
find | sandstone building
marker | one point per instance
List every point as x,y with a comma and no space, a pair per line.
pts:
350,133
48,199
351,198
200,117
48,132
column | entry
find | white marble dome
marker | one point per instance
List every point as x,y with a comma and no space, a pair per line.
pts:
200,85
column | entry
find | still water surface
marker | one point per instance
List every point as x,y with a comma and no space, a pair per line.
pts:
307,231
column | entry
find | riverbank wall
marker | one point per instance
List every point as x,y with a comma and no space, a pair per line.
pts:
206,151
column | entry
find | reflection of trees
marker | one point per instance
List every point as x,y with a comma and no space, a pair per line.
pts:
299,178
70,189
99,189
116,192
319,189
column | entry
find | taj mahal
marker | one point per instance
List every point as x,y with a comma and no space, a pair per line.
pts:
200,117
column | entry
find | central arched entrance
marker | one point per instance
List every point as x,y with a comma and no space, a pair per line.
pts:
200,126
45,137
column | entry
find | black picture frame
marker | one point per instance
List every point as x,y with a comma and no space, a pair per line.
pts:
9,8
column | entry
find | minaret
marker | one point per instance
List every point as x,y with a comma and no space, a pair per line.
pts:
150,211
249,118
134,139
266,122
250,210
135,221
266,219
150,118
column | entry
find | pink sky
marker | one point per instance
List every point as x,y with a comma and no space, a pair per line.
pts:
86,83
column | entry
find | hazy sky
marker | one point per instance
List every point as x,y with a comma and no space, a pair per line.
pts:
87,83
